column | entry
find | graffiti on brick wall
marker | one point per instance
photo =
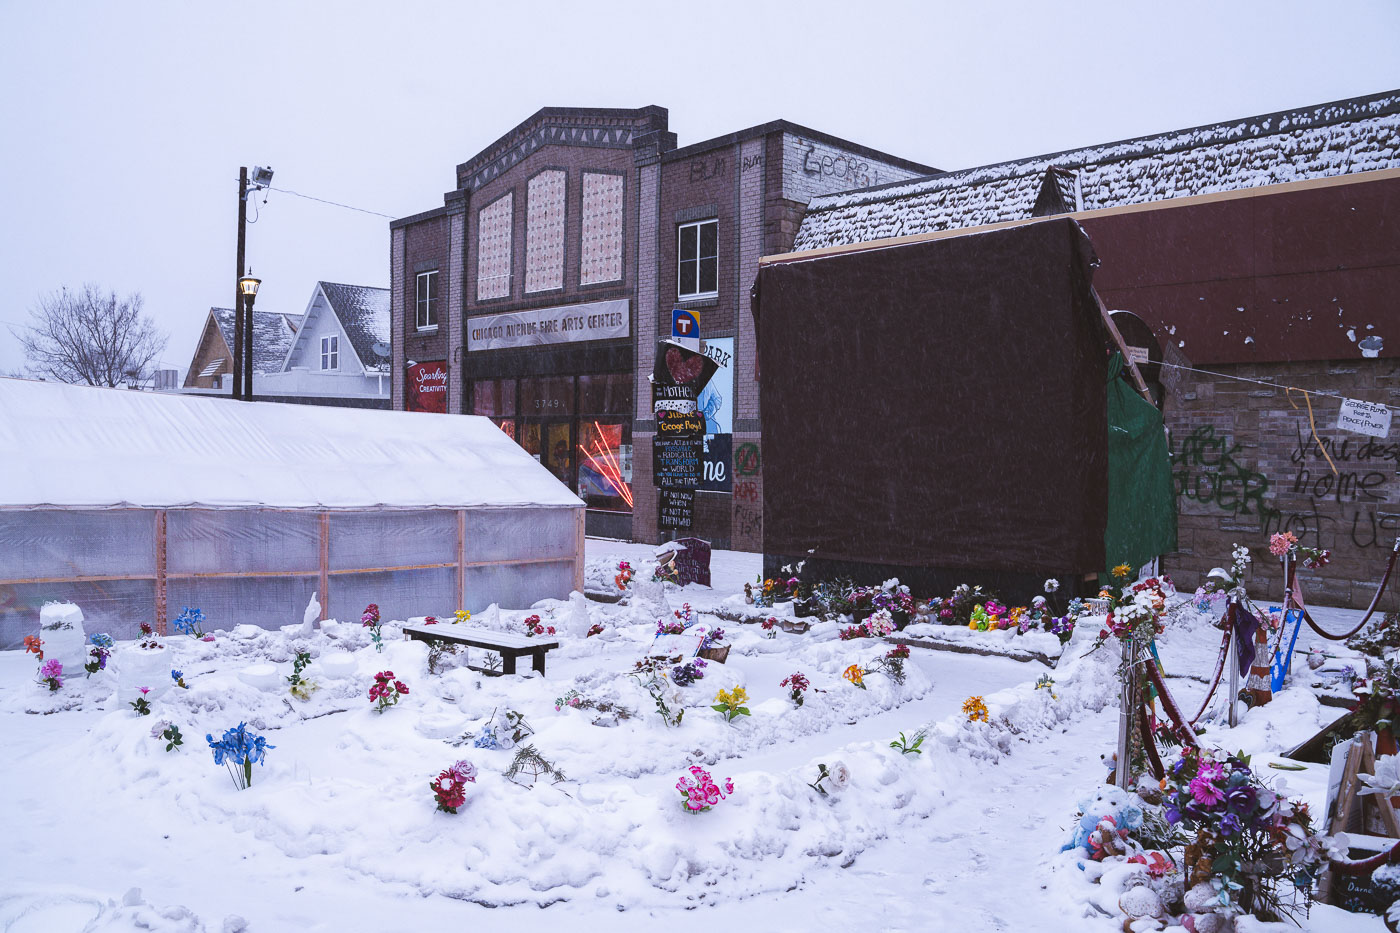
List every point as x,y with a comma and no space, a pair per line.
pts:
1206,469
705,169
747,461
1321,508
1355,493
748,522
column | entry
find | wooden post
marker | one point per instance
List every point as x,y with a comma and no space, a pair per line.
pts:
1138,382
1127,716
461,559
162,610
1234,663
578,554
325,582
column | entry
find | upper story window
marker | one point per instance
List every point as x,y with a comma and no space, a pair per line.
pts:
697,259
493,232
426,300
330,352
544,231
600,255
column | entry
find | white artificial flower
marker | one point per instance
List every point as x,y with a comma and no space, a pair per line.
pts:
800,565
787,569
1386,780
840,775
1051,585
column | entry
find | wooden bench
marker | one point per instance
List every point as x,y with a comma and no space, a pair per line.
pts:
508,645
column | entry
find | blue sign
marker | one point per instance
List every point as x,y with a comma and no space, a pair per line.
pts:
685,324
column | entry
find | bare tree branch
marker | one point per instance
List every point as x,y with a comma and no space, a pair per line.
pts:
91,337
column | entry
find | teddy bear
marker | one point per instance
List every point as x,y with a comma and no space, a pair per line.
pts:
1107,818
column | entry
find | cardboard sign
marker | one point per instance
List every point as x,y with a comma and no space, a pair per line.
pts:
693,563
1364,418
690,425
426,387
687,644
675,509
676,462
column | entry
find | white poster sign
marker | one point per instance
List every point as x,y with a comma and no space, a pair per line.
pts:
598,320
1364,418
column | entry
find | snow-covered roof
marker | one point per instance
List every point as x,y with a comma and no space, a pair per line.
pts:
364,314
1357,135
80,447
272,335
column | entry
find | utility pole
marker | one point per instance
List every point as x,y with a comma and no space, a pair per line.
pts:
239,347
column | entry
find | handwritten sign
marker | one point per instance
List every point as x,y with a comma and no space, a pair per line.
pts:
693,563
680,424
1364,418
676,462
686,645
675,508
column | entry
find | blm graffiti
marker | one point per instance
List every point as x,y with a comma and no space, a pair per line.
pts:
1323,508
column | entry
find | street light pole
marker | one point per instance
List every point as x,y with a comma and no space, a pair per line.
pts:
247,291
238,313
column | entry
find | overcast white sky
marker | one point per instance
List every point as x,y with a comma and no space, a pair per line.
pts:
125,123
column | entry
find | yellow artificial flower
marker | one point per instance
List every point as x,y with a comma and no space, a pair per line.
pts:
462,615
855,675
975,709
1122,571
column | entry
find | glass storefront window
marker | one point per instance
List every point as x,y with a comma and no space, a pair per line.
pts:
607,394
494,398
605,464
546,396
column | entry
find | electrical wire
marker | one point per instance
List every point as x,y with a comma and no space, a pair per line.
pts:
1273,385
348,207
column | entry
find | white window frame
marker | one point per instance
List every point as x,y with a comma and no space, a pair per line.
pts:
425,305
330,352
698,226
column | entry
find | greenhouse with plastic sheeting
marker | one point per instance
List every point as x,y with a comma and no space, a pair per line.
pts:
136,504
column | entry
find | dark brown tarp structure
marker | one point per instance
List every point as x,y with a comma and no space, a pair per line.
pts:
937,405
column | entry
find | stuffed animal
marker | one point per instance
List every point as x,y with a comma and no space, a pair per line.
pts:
1107,818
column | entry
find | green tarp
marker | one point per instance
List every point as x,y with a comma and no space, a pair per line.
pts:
1141,501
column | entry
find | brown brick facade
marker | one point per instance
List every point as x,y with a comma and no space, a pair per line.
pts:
1246,464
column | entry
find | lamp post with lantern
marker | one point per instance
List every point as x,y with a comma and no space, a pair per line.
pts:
247,293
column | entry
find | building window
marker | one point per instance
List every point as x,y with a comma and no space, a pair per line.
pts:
697,255
493,225
427,300
601,233
330,352
544,231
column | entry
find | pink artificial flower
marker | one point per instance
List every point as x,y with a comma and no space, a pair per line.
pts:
1205,793
145,690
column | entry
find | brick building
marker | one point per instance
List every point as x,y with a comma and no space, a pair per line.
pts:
1265,250
537,292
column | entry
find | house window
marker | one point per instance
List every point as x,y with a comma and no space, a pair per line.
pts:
697,264
330,352
493,248
544,231
427,300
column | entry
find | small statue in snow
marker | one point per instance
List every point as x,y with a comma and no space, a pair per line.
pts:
310,617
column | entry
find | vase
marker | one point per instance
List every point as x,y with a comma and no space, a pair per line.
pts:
804,608
142,667
860,615
901,619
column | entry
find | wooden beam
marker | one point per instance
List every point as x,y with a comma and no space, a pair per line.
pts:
325,580
461,558
161,608
1138,382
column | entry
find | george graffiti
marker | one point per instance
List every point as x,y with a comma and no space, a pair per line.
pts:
1205,469
747,460
705,169
839,165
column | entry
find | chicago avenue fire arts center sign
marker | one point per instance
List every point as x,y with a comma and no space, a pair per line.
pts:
598,320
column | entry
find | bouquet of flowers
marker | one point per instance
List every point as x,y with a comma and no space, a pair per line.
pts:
1260,845
51,674
191,622
534,627
99,652
699,792
370,620
239,747
684,675
385,690
731,703
797,687
450,786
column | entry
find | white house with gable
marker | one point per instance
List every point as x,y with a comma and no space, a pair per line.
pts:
341,350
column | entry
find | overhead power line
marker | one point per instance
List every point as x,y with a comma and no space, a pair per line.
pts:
348,207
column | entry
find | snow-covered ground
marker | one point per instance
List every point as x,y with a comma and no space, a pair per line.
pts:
339,831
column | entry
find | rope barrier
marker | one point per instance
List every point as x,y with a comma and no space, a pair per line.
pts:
1375,600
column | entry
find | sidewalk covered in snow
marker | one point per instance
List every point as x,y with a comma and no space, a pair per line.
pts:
131,503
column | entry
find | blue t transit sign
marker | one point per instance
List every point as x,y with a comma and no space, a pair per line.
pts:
685,325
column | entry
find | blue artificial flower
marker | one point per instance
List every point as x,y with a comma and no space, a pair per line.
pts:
101,640
487,739
1230,824
177,675
190,621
